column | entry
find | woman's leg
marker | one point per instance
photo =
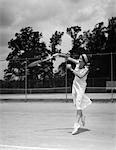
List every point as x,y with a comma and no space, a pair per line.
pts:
79,114
76,124
83,119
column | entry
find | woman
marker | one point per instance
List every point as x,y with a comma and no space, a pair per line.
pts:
81,101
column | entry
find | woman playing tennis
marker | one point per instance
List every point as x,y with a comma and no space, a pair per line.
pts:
81,101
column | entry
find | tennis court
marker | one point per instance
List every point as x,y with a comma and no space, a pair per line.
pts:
47,125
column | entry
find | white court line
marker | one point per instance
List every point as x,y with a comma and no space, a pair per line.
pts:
26,147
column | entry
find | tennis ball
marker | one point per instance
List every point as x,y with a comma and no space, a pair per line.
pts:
68,66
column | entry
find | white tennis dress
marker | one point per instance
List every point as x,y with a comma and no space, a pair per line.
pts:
80,99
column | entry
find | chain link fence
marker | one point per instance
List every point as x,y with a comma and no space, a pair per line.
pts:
101,78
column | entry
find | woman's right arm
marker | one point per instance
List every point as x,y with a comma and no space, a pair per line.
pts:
76,61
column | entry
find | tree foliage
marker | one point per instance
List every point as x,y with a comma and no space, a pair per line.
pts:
56,40
26,47
100,39
111,29
73,32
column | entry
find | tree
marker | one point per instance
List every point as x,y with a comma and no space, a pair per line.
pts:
55,41
111,29
27,47
73,32
95,40
90,42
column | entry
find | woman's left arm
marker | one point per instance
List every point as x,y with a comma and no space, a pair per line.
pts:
80,73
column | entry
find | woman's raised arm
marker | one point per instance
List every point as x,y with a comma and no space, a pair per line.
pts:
76,61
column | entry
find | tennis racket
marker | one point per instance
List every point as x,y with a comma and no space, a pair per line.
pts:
38,62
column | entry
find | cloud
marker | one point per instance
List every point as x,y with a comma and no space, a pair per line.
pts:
3,52
5,38
85,14
6,18
111,9
7,13
47,16
15,12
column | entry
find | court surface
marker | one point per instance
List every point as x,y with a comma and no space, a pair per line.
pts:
48,126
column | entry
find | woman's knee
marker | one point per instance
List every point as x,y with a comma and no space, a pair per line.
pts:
79,111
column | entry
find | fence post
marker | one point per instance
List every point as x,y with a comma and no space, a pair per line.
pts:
26,80
111,77
66,82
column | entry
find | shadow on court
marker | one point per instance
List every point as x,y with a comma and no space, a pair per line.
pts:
81,130
68,130
48,126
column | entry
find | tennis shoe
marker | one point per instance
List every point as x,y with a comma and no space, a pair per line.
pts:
76,128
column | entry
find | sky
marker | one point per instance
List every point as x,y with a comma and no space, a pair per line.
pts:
47,16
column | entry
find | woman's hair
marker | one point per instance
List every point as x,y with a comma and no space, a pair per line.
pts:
86,59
